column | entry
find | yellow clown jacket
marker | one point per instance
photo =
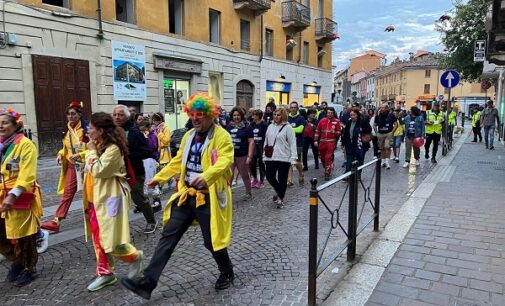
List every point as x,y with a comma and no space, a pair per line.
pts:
19,169
217,158
111,197
164,145
66,152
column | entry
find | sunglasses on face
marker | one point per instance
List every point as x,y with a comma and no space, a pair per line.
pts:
196,115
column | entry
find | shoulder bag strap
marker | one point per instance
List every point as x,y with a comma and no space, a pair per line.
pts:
278,134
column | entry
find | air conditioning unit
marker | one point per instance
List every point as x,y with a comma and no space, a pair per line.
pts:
321,53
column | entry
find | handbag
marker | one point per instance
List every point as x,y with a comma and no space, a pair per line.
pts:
269,150
24,201
130,173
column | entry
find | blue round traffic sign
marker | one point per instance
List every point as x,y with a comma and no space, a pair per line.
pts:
441,97
450,78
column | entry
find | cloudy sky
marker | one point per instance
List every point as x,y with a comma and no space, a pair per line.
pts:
361,26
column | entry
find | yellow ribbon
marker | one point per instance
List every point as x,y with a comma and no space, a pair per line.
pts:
200,196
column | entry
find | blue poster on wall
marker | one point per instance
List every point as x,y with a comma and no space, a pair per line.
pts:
278,86
309,89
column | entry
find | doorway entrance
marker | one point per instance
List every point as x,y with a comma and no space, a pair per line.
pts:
57,82
245,94
176,92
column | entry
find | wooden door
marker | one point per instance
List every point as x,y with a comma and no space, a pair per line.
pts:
57,82
245,93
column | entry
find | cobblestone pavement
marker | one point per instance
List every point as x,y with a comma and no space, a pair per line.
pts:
269,250
455,252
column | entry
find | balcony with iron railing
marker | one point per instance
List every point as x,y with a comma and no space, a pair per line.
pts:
326,30
295,15
257,6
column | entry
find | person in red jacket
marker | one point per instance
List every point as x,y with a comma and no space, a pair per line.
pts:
327,133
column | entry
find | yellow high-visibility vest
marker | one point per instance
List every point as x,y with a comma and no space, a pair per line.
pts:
436,120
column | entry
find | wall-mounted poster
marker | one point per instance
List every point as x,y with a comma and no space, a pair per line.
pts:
128,64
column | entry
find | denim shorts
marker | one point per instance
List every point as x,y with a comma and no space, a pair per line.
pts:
397,141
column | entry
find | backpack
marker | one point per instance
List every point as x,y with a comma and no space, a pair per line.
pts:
175,140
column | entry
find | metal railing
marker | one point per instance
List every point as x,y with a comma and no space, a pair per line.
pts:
28,133
355,225
297,12
325,27
255,4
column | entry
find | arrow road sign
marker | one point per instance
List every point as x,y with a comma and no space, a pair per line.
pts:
441,97
450,79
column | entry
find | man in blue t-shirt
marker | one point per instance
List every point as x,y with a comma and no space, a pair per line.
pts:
385,125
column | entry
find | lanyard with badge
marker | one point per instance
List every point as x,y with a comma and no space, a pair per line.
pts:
197,143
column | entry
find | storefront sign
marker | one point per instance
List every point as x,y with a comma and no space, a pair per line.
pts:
309,89
129,74
177,64
426,97
278,86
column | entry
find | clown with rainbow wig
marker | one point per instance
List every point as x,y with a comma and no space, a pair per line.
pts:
203,194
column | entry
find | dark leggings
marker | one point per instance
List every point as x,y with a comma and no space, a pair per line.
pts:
309,142
277,176
257,161
24,251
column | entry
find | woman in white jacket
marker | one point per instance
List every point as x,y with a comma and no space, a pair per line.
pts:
281,137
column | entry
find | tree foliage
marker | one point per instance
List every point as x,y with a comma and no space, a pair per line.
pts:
459,35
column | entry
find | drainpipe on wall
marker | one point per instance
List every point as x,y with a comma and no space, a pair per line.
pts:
99,11
299,47
261,38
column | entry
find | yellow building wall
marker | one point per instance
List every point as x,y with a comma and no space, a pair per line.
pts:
152,15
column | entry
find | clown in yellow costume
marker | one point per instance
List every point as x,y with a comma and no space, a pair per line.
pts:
203,194
20,199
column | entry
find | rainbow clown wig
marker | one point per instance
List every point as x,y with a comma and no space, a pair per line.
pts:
202,102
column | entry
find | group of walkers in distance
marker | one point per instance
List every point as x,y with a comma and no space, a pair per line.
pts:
124,157
489,119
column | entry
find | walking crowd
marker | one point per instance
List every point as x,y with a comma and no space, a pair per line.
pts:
124,157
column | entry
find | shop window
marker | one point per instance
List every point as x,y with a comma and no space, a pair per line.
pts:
305,52
245,29
214,28
269,42
426,88
62,3
175,16
125,11
427,73
216,86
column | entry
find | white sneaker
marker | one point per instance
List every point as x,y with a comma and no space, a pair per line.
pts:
388,166
43,242
417,163
406,165
138,266
102,281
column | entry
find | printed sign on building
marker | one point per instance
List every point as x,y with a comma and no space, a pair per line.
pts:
479,53
129,72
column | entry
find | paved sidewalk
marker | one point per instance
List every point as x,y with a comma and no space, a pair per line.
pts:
454,254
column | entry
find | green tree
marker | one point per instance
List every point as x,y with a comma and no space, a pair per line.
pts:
459,35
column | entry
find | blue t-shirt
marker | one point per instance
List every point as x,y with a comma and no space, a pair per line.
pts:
240,138
385,123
